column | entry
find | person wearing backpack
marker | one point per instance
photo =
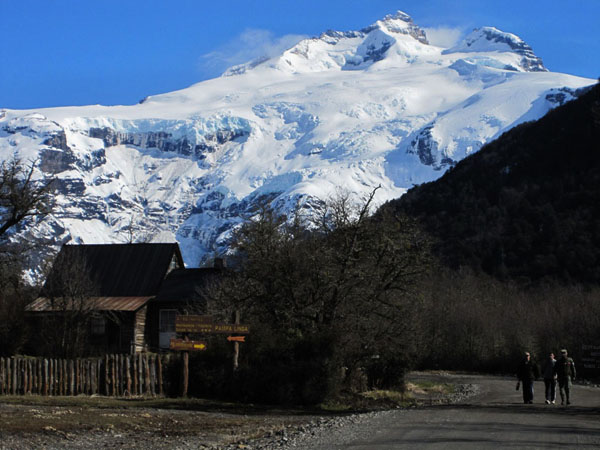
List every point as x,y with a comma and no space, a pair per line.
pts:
565,373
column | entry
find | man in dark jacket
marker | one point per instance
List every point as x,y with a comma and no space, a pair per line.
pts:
527,373
565,372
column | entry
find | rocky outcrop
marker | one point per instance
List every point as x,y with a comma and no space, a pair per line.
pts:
491,39
399,23
165,141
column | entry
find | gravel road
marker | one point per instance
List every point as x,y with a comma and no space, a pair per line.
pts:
492,417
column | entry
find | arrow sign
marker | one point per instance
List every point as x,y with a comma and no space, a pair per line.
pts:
236,338
180,344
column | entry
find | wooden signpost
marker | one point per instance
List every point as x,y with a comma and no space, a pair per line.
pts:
205,325
197,324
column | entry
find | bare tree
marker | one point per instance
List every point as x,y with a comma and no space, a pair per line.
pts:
69,293
340,284
22,196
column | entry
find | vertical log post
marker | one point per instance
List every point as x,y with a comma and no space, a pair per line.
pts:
31,387
147,374
186,374
40,378
2,375
92,377
118,373
19,378
128,374
8,376
160,376
153,376
113,364
66,376
236,345
15,381
25,376
106,375
141,373
52,376
31,376
46,384
77,376
71,377
59,390
134,373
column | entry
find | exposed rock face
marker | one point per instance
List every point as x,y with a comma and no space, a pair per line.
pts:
399,23
58,140
164,140
54,161
491,39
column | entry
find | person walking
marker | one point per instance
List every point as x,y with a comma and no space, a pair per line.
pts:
565,373
549,379
527,373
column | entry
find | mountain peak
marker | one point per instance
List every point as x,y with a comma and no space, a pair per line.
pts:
399,23
349,50
491,39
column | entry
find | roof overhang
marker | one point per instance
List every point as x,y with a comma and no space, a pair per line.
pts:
43,304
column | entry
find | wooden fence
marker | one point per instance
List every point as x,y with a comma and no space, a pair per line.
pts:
113,375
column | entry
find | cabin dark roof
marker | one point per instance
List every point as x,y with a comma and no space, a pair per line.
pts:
187,285
116,270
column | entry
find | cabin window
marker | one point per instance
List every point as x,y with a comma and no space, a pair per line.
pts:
98,325
166,327
167,320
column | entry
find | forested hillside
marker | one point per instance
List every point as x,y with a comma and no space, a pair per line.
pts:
527,205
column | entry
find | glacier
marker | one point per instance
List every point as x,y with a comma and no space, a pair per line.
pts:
354,110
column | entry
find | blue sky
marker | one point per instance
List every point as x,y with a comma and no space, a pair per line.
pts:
78,52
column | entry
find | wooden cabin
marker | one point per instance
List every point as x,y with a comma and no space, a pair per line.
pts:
110,285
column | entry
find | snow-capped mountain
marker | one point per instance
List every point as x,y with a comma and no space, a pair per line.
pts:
351,110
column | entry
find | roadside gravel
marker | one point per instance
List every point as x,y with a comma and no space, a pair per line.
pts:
322,432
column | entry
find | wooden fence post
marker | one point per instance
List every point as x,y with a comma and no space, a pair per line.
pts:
77,376
113,364
59,377
64,379
152,375
71,377
186,373
2,376
40,379
160,376
15,380
147,373
121,375
141,373
134,374
50,376
25,376
106,380
18,378
45,376
128,372
31,376
93,377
